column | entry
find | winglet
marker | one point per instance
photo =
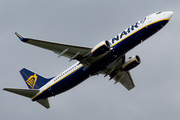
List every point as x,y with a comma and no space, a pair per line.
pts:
21,37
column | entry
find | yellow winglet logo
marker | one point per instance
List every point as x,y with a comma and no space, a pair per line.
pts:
19,35
32,80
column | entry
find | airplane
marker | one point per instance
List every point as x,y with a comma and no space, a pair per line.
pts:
107,58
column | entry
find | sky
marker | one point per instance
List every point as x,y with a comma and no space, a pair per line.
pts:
86,23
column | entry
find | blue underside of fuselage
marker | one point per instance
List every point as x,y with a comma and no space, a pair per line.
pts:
65,84
119,50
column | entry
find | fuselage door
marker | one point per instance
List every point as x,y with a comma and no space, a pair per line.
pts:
149,19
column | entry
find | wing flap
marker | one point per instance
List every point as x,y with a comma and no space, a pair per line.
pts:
58,48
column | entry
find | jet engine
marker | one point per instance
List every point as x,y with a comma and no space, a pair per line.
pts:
101,48
131,63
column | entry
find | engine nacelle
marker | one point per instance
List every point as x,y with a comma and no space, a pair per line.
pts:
101,48
131,63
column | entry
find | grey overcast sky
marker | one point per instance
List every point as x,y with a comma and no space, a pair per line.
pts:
86,23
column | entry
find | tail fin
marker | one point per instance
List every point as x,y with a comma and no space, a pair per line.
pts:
29,93
33,80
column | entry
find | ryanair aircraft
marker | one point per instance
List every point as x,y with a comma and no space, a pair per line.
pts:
107,57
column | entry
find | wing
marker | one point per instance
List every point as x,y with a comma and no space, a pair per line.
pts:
123,77
70,51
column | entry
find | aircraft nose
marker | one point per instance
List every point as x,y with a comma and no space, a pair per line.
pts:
168,14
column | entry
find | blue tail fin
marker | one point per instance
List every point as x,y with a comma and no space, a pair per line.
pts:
33,80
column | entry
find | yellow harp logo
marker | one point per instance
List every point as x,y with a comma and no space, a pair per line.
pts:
32,80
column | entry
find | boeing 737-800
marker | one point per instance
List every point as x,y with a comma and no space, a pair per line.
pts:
107,57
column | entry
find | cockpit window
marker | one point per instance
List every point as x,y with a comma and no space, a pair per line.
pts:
158,13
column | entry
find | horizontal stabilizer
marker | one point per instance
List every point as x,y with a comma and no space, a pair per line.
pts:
29,93
24,92
44,102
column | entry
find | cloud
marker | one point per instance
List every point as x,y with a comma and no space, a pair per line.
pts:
87,23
